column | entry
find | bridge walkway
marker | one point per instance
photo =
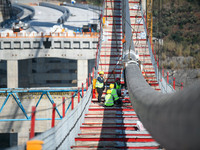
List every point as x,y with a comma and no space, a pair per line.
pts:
141,43
115,127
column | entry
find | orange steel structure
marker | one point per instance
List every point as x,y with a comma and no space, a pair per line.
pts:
150,20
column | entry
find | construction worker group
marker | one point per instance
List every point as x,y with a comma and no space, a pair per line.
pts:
113,91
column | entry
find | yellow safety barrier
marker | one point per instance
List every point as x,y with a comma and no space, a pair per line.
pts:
34,145
94,83
94,88
104,20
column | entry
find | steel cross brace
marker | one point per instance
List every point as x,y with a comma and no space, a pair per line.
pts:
5,102
52,102
16,98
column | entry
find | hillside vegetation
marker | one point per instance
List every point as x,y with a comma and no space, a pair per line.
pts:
177,22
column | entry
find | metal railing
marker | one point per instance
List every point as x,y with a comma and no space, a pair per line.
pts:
51,34
65,132
99,42
17,95
164,86
62,136
173,118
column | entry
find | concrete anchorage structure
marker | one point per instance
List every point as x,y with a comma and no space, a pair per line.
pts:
37,66
40,61
50,62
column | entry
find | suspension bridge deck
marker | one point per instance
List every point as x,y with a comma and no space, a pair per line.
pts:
116,127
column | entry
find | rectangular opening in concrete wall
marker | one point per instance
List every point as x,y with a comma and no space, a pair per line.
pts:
27,45
34,60
34,71
47,43
57,44
7,45
36,44
94,44
53,81
43,72
8,140
76,45
72,71
72,61
3,74
54,71
53,60
17,45
67,44
86,45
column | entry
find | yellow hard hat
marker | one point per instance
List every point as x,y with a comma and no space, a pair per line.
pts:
101,72
108,91
112,86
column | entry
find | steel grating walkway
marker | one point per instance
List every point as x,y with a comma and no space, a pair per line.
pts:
113,127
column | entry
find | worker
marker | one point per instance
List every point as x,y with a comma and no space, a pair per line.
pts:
109,99
100,85
118,86
114,94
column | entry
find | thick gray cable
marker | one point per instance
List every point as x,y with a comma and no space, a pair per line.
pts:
172,119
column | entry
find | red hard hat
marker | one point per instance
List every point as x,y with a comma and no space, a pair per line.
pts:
117,79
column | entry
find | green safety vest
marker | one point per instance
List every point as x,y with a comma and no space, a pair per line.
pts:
98,84
118,86
108,100
114,94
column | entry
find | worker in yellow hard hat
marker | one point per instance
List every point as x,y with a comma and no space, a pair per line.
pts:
109,99
114,94
100,86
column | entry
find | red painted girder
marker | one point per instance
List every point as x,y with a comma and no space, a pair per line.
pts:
117,139
107,128
122,147
109,124
121,115
108,109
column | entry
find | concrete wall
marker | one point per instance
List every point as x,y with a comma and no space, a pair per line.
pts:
45,72
64,47
43,66
12,73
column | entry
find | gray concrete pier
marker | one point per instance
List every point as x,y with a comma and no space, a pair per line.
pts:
82,69
12,74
